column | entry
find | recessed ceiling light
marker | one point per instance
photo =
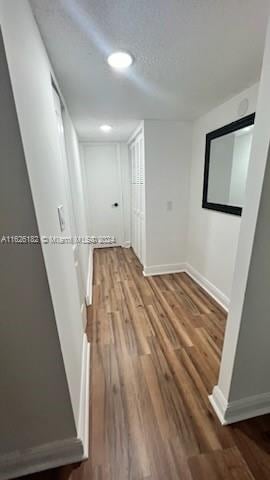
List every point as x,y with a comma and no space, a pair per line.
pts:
105,128
120,60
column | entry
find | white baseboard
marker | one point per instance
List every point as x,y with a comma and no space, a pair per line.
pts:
83,425
84,315
112,245
164,269
126,244
238,410
60,452
219,404
89,281
248,407
43,457
213,291
106,245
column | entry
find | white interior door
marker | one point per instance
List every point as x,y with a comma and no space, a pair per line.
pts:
136,149
70,213
104,190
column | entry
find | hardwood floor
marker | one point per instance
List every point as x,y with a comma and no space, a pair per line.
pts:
155,352
156,347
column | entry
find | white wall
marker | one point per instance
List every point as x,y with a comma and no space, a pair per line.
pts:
167,163
31,81
210,233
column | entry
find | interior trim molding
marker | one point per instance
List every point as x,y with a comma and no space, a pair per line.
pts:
84,314
164,269
138,130
42,457
107,245
238,410
219,404
126,244
213,291
83,424
89,281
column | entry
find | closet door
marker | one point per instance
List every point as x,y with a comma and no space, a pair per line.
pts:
137,162
137,198
133,196
141,189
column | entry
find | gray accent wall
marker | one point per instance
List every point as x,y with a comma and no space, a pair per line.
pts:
252,360
35,406
244,370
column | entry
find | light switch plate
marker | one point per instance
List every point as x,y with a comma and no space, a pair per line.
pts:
60,210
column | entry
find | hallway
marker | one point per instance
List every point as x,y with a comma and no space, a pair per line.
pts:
156,345
134,193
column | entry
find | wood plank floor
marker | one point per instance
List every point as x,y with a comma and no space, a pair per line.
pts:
155,352
156,348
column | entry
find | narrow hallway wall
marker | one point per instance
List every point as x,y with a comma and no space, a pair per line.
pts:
213,236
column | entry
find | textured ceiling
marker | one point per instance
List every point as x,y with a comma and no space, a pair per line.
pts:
190,55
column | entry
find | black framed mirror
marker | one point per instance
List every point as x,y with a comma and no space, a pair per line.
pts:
227,153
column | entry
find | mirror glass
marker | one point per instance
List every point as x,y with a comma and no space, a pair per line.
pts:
226,167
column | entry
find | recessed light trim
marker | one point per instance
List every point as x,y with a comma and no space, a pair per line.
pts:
120,60
105,128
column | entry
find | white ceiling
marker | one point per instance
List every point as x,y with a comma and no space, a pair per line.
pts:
190,55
